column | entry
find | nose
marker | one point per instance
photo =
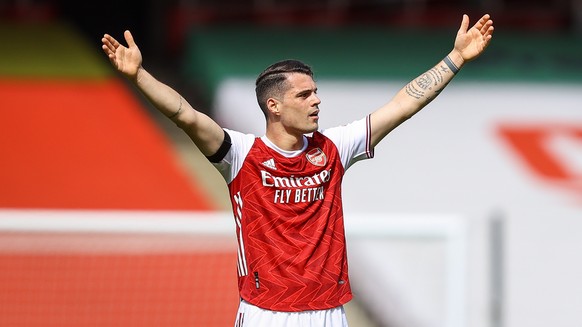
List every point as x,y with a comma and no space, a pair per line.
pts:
317,101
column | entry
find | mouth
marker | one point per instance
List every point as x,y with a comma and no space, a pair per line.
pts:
314,114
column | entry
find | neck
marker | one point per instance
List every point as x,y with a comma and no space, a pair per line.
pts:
285,141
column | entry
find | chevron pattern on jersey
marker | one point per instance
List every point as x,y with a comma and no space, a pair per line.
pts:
293,229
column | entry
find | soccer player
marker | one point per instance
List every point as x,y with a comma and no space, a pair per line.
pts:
285,186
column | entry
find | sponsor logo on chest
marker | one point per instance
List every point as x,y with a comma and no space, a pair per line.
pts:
287,187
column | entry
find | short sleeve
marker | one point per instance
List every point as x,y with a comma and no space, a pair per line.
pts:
352,141
232,162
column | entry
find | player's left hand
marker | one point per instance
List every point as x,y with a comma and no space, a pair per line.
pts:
470,43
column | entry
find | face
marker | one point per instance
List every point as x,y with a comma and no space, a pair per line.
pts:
299,108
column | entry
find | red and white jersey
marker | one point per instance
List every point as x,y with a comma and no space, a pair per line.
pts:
289,220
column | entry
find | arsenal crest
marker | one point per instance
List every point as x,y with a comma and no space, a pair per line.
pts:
317,157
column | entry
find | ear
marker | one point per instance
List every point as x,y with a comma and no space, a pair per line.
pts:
273,106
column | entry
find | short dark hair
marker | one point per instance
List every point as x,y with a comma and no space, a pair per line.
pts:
272,82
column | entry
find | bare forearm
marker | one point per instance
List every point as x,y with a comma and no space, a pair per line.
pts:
206,134
469,44
414,96
160,95
426,87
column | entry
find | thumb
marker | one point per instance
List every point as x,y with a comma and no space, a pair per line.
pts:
129,38
464,25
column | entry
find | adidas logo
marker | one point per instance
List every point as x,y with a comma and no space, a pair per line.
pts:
270,164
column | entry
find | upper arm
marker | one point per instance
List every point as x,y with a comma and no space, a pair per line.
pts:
386,119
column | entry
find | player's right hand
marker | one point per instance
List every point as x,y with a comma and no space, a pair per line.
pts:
126,60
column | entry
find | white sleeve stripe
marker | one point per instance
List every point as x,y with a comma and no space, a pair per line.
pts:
241,256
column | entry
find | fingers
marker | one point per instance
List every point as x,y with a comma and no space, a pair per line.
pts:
487,29
109,45
481,22
129,39
485,25
464,25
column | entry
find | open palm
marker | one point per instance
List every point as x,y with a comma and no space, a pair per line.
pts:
470,43
128,59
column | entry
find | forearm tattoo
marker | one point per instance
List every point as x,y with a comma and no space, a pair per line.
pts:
428,85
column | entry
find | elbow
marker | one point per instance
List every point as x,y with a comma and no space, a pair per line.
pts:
184,120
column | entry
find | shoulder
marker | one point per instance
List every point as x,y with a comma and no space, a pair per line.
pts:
352,140
240,146
241,143
239,137
356,129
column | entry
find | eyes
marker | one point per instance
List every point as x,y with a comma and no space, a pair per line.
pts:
306,93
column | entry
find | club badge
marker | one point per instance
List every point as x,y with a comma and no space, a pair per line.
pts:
317,157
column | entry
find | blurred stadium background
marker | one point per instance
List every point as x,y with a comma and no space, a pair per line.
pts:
107,210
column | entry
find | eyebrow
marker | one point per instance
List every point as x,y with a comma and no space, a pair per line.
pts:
306,91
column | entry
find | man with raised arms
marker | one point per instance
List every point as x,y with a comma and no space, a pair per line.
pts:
285,186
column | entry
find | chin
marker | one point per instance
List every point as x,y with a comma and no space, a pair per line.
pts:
309,128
